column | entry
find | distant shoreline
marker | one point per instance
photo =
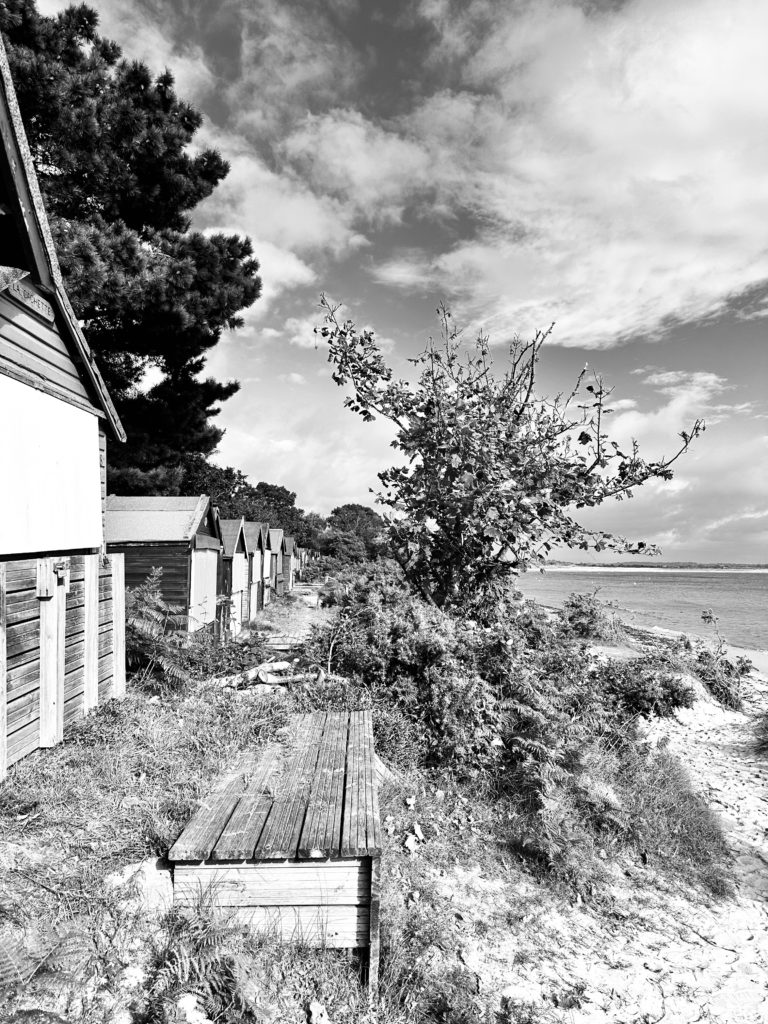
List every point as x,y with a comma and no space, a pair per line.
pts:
648,568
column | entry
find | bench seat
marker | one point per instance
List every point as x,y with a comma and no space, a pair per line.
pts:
290,841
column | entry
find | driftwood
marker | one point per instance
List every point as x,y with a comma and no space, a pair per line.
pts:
272,673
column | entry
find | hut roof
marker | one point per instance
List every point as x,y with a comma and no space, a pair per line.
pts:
150,518
256,534
290,544
276,538
230,534
33,233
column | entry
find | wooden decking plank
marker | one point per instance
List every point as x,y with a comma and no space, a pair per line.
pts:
319,782
373,825
208,822
242,831
314,841
279,838
351,789
350,842
326,841
284,840
333,823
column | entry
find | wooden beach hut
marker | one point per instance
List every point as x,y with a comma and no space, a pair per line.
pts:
277,551
235,574
181,536
257,540
62,639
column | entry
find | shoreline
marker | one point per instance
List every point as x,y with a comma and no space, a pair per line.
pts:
652,569
757,655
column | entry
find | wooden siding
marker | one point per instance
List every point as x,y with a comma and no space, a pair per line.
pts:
22,642
52,671
32,347
173,559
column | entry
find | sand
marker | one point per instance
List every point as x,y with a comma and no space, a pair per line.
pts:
661,951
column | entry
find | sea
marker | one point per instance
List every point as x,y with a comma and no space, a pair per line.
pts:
671,598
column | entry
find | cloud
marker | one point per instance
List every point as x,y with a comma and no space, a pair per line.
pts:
704,383
299,331
616,182
374,171
140,38
293,378
293,59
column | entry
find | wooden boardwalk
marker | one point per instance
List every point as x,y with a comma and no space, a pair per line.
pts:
290,842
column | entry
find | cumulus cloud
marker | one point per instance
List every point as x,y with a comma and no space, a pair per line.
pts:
616,177
374,171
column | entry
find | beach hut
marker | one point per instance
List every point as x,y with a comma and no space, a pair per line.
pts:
289,564
276,550
235,577
257,541
181,536
62,639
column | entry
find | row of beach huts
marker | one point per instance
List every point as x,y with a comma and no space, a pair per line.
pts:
218,573
67,551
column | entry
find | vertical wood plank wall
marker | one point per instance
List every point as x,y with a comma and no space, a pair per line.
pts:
64,651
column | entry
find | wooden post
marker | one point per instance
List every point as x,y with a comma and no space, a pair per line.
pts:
91,672
118,625
3,680
373,942
52,595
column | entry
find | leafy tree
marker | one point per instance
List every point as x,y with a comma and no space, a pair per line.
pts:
494,473
110,143
231,490
362,522
342,545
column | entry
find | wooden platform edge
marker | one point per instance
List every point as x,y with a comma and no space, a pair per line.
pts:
374,937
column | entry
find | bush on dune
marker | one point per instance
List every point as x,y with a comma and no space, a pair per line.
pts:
516,706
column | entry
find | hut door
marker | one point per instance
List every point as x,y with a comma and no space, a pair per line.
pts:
52,590
204,583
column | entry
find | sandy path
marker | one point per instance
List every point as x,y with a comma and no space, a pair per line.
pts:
658,953
290,621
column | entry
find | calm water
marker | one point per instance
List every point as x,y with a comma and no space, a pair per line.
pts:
668,598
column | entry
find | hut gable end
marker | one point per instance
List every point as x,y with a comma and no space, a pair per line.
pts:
41,343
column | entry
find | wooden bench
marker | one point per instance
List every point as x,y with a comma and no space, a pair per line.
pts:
290,842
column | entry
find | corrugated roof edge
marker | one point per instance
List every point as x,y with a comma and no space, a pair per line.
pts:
27,172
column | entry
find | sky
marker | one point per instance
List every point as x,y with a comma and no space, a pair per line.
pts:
600,164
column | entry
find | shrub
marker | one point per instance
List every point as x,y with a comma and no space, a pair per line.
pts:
720,675
205,655
163,654
646,686
515,707
154,634
585,616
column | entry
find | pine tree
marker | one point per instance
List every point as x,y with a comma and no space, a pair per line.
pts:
111,147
